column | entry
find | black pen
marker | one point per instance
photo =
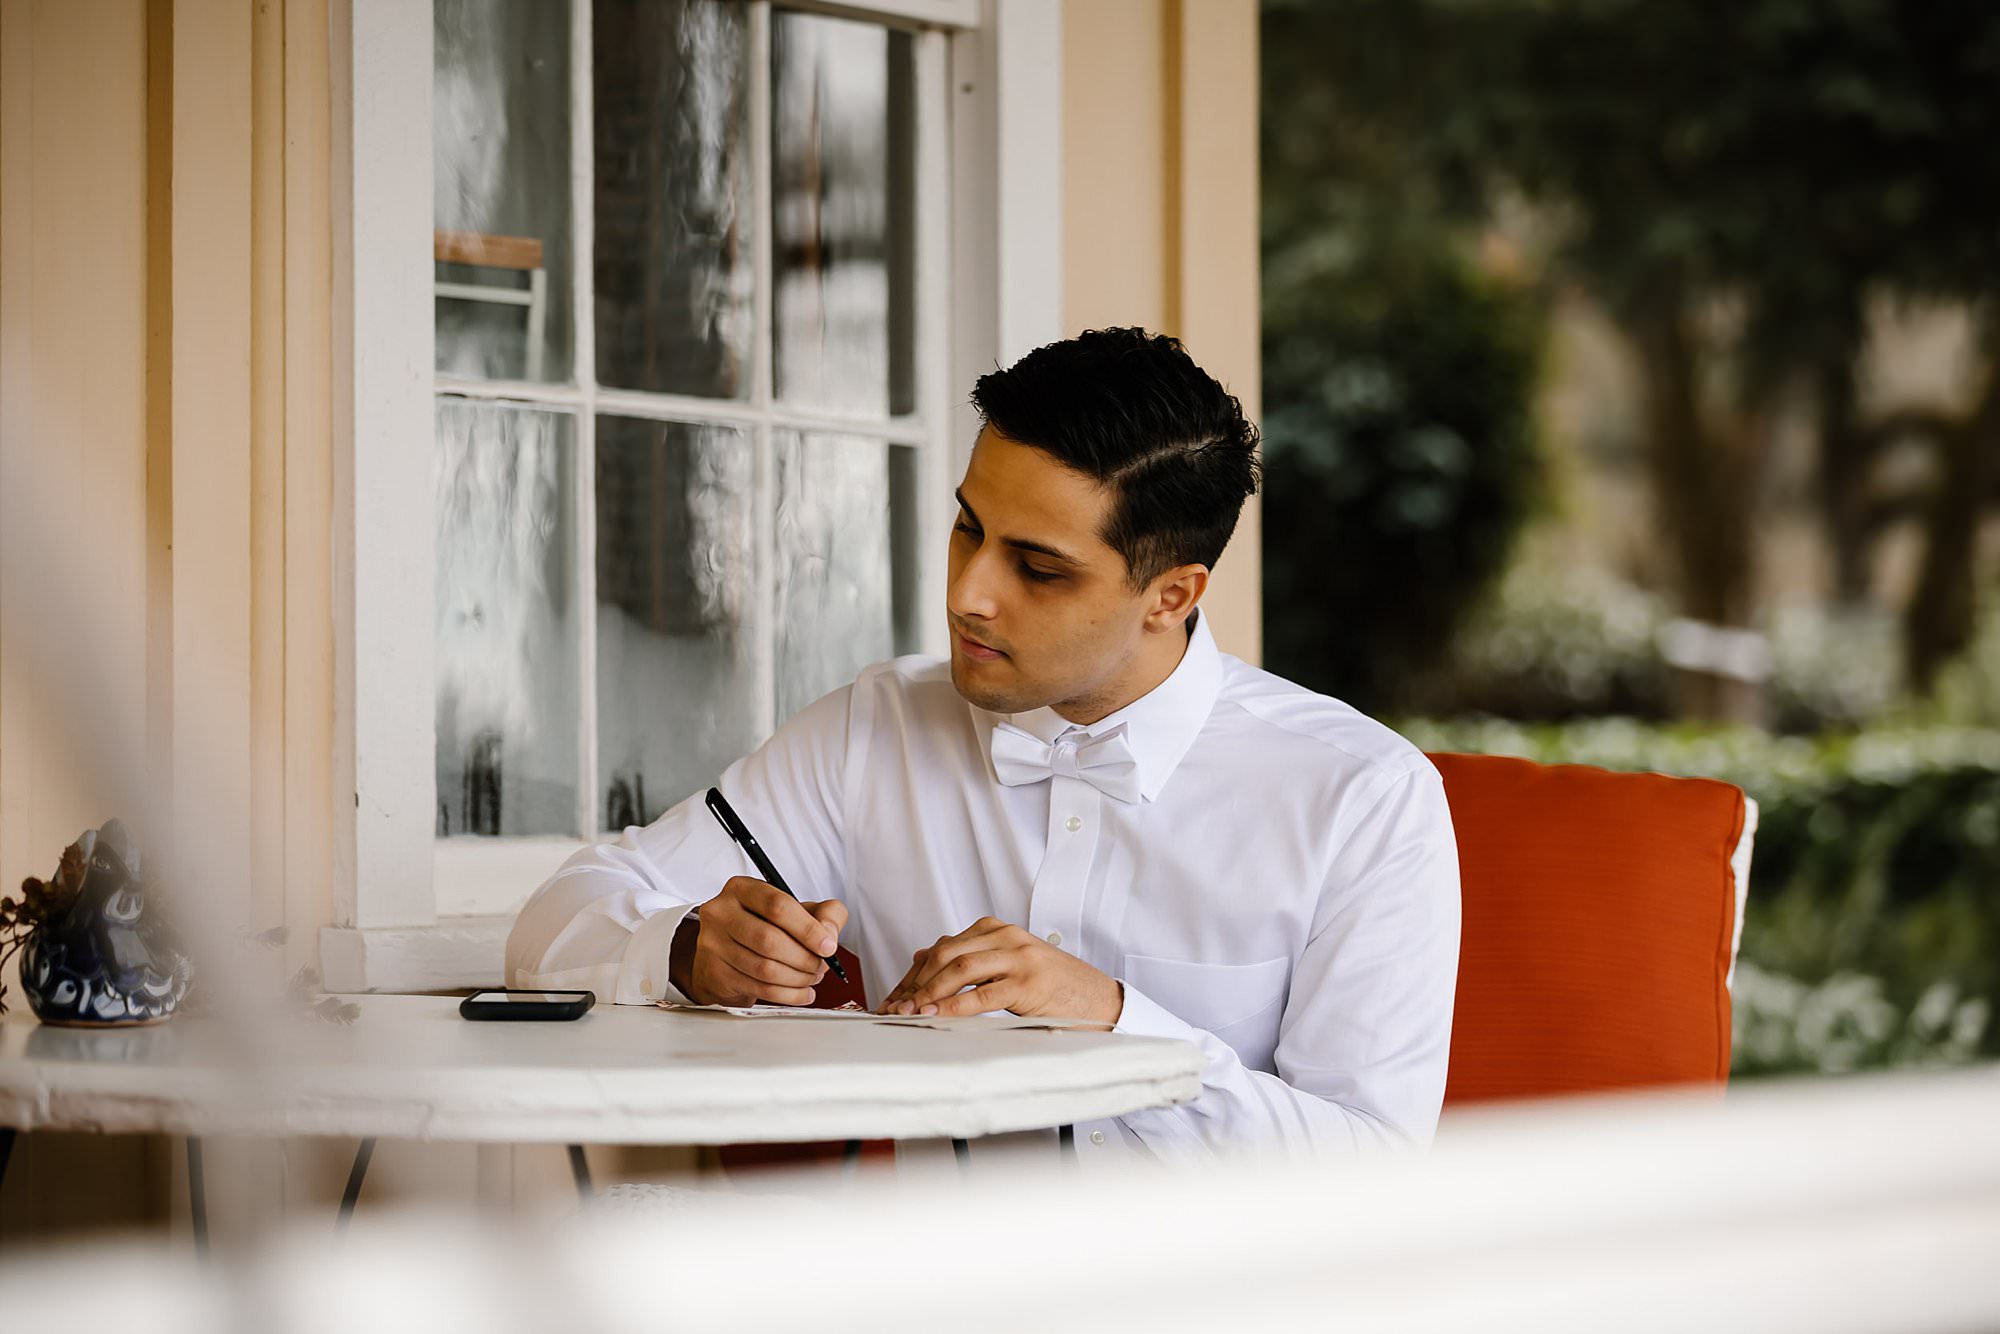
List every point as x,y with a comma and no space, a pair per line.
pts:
732,824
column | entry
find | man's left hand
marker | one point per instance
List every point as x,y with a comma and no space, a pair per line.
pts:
1006,969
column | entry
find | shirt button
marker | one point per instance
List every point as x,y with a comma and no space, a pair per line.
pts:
1097,1137
1073,824
1055,937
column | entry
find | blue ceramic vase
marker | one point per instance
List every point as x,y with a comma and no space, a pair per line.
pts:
110,961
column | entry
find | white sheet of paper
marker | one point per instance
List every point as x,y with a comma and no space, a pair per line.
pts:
781,1012
1000,1020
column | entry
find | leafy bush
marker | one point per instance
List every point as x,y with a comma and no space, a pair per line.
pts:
1872,932
1400,461
1967,692
1833,669
1781,1025
1557,641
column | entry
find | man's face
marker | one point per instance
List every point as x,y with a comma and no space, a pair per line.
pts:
1042,610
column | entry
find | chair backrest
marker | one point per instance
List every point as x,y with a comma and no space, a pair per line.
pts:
1601,917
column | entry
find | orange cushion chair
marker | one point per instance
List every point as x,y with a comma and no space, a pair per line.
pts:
1601,917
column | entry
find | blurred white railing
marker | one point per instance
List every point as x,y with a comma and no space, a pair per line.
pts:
1869,1204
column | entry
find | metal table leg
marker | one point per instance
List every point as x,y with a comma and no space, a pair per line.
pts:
354,1178
197,1197
963,1152
579,1167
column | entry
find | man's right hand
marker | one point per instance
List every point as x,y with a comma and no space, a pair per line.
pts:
755,942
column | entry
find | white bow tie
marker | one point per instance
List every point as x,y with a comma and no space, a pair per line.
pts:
1105,762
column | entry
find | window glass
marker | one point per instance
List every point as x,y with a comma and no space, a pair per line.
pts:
842,195
500,92
676,694
846,553
506,641
742,568
672,167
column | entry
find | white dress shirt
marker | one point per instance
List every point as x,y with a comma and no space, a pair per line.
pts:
1281,888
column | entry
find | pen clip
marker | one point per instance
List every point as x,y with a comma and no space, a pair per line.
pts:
718,806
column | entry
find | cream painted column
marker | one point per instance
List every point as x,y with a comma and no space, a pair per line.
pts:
1115,144
308,486
211,445
73,521
1159,177
1218,312
219,571
267,478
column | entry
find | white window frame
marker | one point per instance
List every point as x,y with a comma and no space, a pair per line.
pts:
412,911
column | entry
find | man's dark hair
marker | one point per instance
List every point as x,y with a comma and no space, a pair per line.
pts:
1132,410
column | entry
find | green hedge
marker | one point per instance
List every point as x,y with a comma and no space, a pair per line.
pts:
1872,932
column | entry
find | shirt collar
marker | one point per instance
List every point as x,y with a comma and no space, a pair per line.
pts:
1161,724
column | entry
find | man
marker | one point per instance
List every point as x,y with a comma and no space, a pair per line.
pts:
1086,811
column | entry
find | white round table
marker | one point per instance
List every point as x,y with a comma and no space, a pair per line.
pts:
410,1067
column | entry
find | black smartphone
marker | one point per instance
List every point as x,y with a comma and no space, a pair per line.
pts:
526,1004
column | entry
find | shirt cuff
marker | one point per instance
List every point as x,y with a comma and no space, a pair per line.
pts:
1144,1017
642,974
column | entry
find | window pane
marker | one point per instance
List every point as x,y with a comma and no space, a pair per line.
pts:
675,671
672,155
846,556
506,621
500,181
842,167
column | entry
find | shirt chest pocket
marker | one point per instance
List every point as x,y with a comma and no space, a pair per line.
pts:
1241,1003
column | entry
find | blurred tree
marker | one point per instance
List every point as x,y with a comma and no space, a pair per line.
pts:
1399,377
1734,180
1942,615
